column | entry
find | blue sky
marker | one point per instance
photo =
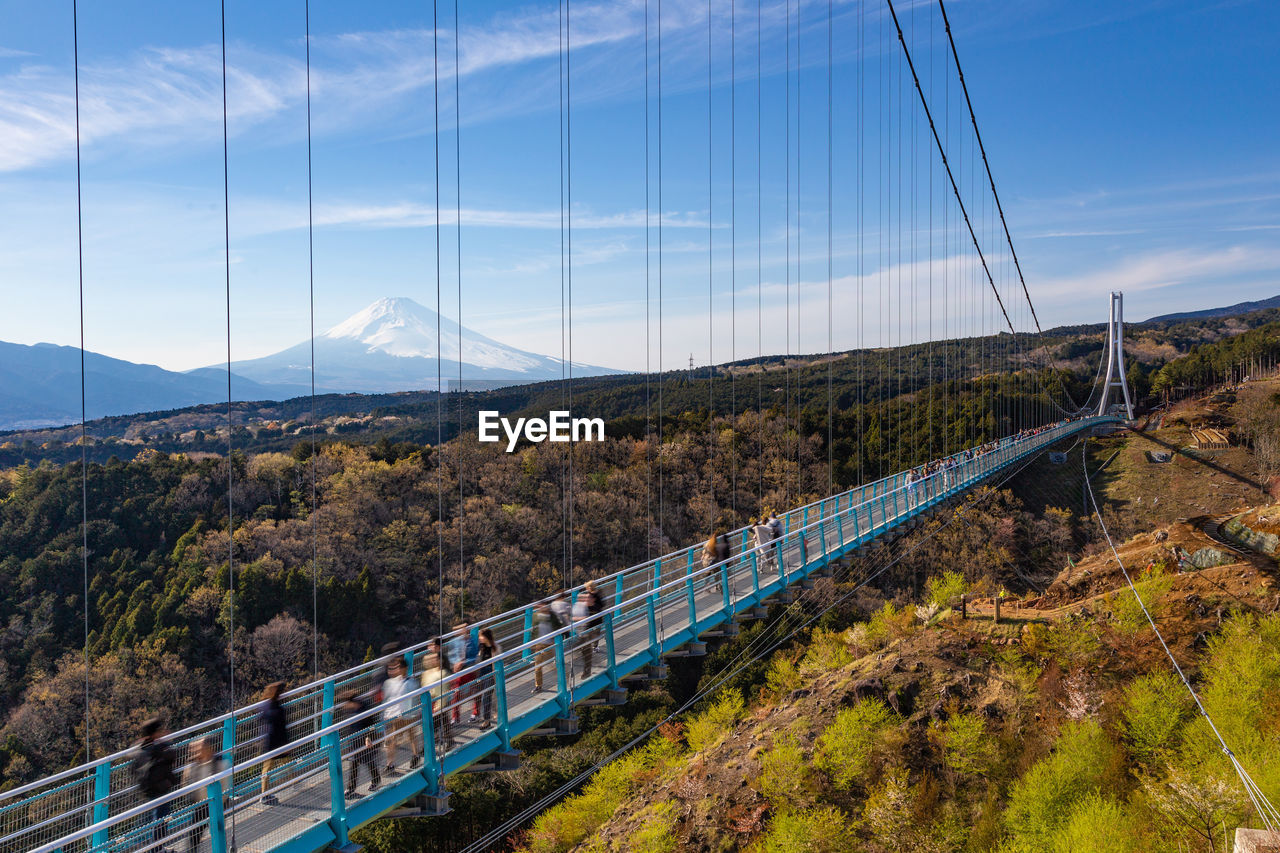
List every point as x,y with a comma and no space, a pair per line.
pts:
1133,145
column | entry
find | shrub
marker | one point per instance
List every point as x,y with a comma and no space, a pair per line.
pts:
782,677
656,835
1152,587
1242,681
784,774
1097,824
965,745
819,830
848,749
827,650
888,624
888,809
1040,801
568,824
1151,714
708,727
944,590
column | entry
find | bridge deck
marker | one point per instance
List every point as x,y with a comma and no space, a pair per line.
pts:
656,608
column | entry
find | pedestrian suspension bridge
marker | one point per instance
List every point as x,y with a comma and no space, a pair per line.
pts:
302,797
667,606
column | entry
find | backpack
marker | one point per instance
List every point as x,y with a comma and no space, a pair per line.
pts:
153,769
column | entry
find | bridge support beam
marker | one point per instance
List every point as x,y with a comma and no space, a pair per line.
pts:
692,649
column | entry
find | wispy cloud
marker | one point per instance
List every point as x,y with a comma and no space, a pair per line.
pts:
159,95
1162,269
1121,232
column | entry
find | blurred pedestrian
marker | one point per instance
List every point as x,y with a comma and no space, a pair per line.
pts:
484,676
585,617
463,648
398,716
274,726
544,625
205,763
155,772
360,741
435,677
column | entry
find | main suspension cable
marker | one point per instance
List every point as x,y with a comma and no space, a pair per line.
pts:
943,153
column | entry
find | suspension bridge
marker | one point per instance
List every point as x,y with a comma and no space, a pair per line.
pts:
667,606
304,797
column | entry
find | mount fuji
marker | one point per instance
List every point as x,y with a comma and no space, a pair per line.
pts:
393,345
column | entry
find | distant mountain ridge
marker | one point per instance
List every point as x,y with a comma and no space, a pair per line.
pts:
40,386
393,345
390,346
1228,311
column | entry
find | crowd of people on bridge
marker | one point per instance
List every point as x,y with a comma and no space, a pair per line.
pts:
457,668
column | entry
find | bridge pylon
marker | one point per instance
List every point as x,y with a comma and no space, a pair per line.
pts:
1115,358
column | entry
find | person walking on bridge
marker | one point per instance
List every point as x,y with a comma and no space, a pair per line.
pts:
274,725
360,739
207,763
586,616
544,625
399,715
484,676
761,535
561,609
154,764
463,648
435,676
716,551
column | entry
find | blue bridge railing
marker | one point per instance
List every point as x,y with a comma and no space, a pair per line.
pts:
308,801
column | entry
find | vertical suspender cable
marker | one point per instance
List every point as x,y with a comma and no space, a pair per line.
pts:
861,172
830,307
311,293
648,415
733,253
882,91
435,87
568,183
946,280
84,428
661,215
231,529
897,401
799,229
564,377
760,459
929,339
913,359
787,169
711,398
457,178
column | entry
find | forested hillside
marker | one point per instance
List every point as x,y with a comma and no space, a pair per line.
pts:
393,511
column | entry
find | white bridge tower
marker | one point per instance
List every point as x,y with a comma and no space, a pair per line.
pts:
1115,358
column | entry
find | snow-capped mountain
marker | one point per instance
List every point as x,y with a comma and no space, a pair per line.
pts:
392,346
